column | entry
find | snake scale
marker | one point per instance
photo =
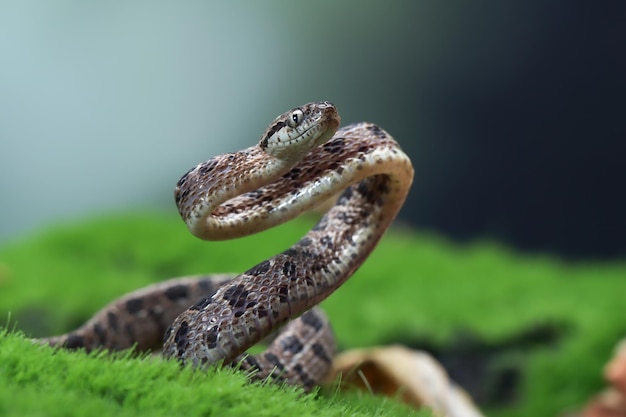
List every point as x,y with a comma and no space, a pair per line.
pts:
302,159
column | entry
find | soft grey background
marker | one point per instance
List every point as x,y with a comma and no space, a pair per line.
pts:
105,105
503,106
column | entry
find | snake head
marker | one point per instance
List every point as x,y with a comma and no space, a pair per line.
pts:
294,133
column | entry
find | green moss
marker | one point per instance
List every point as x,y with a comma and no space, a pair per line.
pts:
413,288
36,381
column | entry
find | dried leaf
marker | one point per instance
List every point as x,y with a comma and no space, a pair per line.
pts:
413,376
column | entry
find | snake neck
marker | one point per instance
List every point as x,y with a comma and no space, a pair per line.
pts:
206,195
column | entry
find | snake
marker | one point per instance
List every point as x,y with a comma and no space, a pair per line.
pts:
302,159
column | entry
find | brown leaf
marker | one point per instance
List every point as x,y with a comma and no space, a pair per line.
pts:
413,376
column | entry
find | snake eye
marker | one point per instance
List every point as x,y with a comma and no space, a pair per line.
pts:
295,118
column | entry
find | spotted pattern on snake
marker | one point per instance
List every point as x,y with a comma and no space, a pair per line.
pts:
302,159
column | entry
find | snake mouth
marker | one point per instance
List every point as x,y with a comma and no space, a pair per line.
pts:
329,121
326,126
323,127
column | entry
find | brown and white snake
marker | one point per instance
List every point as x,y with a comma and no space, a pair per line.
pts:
300,161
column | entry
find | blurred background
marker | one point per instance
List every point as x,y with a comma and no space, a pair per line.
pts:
513,112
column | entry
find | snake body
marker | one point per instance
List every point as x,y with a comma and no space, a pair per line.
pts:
302,159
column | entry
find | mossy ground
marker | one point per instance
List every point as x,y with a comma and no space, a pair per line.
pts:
412,288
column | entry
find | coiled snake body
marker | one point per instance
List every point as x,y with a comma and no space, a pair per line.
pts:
301,160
